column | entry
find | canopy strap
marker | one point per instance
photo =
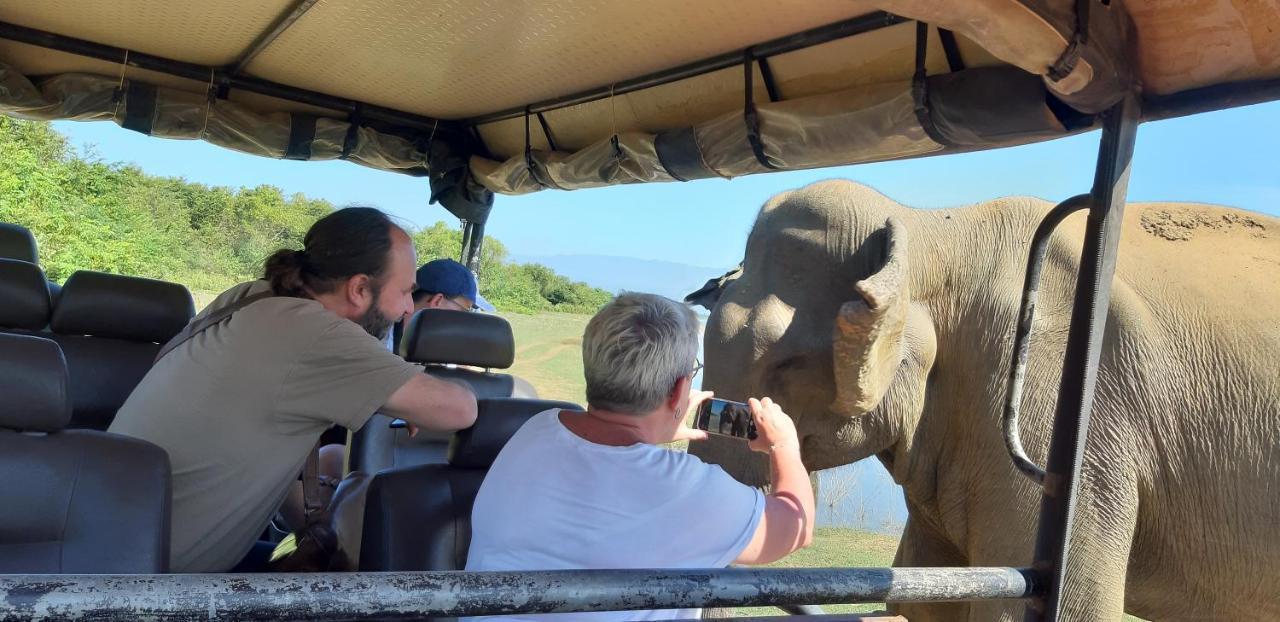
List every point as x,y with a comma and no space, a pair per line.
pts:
613,116
211,96
1066,62
920,87
352,139
428,145
302,131
139,107
117,95
749,114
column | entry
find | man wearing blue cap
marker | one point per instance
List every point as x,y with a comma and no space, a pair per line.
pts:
447,284
443,284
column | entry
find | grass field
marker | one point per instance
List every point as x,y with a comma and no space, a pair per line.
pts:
549,354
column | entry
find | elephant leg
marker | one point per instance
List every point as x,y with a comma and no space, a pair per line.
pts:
923,545
1098,559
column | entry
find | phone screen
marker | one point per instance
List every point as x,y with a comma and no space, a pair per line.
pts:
726,418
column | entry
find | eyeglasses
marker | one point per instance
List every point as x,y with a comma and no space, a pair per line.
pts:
459,305
697,367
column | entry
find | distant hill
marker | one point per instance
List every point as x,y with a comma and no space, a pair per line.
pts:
667,278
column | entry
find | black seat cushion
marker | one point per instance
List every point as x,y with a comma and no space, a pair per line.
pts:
73,501
419,518
24,296
16,242
459,338
103,374
110,328
377,447
122,307
33,385
497,420
83,502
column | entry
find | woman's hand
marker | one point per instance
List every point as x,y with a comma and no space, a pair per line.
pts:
684,432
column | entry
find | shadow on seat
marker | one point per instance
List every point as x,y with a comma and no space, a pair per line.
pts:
74,501
449,344
419,518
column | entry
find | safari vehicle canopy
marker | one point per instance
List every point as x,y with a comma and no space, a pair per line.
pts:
516,97
513,96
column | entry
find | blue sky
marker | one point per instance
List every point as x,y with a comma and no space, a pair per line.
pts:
1228,157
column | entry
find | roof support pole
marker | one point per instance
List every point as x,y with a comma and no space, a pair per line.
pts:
1058,509
277,28
472,244
774,47
202,73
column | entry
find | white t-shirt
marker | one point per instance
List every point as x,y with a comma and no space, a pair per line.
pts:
556,501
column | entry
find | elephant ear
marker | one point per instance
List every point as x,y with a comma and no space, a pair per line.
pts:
867,344
709,294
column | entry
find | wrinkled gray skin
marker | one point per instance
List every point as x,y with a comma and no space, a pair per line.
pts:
886,331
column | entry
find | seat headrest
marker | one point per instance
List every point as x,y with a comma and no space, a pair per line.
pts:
122,307
24,295
496,422
16,242
460,338
33,384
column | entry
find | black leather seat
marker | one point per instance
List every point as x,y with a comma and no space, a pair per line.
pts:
24,299
16,242
74,501
441,340
419,518
110,328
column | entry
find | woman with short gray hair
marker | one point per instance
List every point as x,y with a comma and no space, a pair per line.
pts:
595,489
634,351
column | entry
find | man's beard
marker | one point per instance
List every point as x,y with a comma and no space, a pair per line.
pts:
373,321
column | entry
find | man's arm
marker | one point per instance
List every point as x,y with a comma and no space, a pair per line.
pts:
428,402
789,513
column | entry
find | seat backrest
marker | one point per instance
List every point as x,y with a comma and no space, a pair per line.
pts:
74,501
441,340
110,328
24,298
16,242
419,518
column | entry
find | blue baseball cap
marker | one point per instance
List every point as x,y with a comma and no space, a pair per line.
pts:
448,277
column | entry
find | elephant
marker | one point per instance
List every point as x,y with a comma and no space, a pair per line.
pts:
887,331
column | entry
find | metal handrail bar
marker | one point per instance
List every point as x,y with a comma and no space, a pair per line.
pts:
1022,336
392,595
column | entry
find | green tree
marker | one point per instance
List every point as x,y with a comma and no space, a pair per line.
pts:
111,217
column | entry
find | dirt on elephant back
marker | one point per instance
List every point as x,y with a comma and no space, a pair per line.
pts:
1181,224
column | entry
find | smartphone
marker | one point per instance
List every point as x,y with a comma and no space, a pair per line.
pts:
717,416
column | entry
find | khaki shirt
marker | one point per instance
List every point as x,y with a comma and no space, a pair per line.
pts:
240,406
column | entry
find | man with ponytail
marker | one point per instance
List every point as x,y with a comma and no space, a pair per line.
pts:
240,402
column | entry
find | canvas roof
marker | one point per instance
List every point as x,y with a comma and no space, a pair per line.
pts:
420,86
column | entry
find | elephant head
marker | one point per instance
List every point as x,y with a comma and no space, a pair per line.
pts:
821,317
